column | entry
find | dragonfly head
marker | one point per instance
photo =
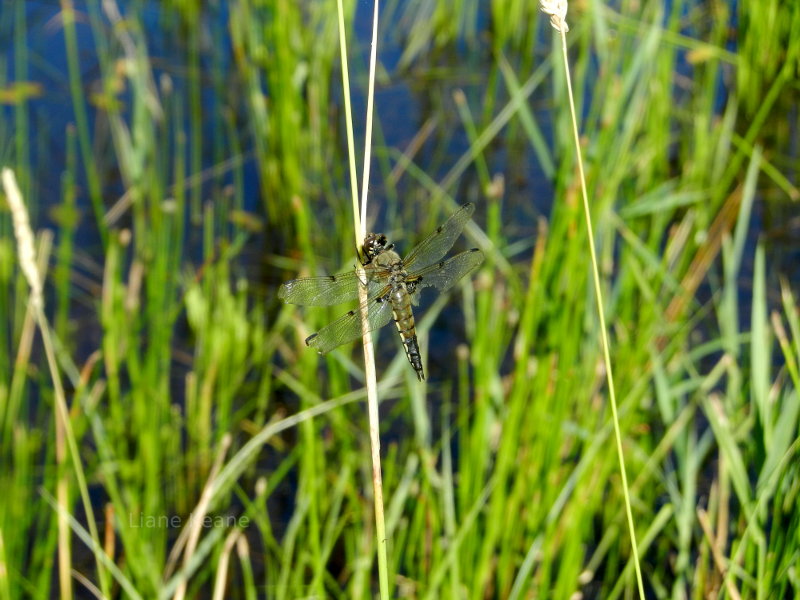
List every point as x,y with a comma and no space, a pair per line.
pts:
374,244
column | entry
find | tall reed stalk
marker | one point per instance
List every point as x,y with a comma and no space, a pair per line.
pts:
360,232
557,9
65,438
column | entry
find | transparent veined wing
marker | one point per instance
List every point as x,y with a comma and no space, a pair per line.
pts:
348,327
329,290
436,245
445,274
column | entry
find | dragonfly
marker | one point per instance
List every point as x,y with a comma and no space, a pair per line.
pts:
393,286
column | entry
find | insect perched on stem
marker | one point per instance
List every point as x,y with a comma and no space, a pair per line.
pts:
393,286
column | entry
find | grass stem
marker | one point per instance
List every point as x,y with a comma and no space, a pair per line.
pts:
359,228
557,19
65,437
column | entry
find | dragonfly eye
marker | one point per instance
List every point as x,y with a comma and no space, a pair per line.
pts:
374,244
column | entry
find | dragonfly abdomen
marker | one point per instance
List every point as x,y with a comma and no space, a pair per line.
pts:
404,320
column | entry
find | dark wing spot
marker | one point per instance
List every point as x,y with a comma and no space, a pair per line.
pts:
439,229
474,249
332,277
309,338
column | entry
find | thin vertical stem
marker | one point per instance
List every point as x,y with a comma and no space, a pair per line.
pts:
348,115
81,116
369,353
598,294
65,437
359,229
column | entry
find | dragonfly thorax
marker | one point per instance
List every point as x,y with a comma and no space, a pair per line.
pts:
384,259
390,263
389,260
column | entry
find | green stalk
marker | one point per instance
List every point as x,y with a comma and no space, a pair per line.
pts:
560,25
81,117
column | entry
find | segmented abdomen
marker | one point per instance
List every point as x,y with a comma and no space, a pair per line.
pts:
404,319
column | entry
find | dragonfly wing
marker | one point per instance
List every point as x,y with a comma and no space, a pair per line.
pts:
348,327
437,244
327,291
445,274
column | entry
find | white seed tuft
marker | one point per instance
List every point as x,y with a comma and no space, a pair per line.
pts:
557,9
24,235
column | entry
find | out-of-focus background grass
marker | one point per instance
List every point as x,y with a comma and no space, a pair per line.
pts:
181,159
